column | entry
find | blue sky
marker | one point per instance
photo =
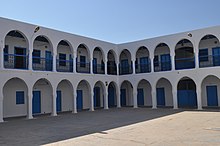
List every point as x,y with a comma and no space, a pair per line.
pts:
115,21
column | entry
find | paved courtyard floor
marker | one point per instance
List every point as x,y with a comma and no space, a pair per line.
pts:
125,126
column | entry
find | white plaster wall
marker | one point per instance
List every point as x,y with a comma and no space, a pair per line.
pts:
161,50
99,56
10,109
147,92
86,94
210,80
83,52
46,95
163,83
66,96
15,42
129,93
101,93
38,45
111,56
142,53
64,50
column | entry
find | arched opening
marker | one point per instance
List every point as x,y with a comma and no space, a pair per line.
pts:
126,94
98,95
16,51
210,91
42,54
112,96
125,66
162,59
184,55
186,93
15,100
64,57
164,93
83,59
83,99
144,97
64,99
142,63
98,61
42,97
209,51
111,64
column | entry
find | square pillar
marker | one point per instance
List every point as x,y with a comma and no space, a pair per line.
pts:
118,94
1,109
175,103
54,106
154,99
135,98
199,100
75,101
29,99
106,98
92,101
91,66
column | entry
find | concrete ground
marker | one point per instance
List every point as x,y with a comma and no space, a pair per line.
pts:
125,126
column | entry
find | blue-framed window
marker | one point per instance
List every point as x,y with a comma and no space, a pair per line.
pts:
82,61
203,55
62,59
36,55
136,63
6,53
156,60
19,97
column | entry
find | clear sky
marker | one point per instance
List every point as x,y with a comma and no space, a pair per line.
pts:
116,21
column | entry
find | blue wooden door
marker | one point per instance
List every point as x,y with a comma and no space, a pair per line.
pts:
79,100
59,101
48,61
97,97
165,62
187,98
216,56
111,96
212,95
36,102
140,97
123,97
124,66
144,67
94,65
160,96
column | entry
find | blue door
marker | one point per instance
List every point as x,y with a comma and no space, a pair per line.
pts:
216,56
165,62
36,102
160,96
48,61
212,95
59,101
144,67
97,97
124,66
140,97
123,97
111,96
70,63
187,98
79,100
94,65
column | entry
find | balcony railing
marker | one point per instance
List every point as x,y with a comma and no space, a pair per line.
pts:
99,68
209,61
111,68
64,65
162,66
82,67
14,61
125,69
143,68
184,63
42,64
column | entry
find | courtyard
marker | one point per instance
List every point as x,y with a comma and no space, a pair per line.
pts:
124,126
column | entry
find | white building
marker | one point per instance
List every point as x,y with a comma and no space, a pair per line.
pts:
47,71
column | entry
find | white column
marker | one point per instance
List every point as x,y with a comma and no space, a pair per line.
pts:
91,66
54,106
135,98
54,62
92,100
1,109
199,100
30,55
74,63
117,67
2,57
118,94
175,104
133,66
106,98
152,63
74,101
154,98
173,62
196,57
29,99
106,71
